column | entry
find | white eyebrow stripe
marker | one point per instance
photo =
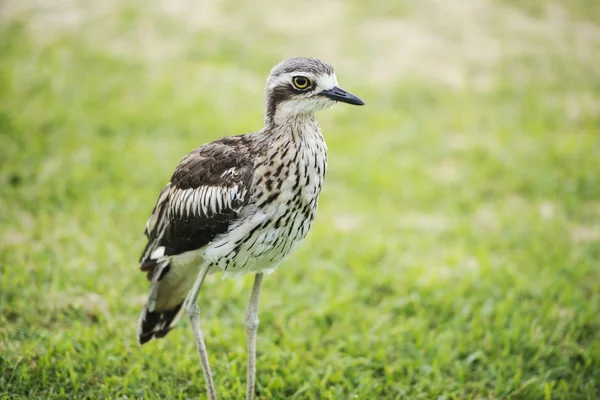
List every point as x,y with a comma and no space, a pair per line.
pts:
326,82
287,78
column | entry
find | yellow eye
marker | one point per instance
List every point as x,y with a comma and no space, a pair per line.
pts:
300,82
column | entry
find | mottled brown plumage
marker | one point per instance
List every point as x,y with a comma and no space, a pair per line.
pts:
240,204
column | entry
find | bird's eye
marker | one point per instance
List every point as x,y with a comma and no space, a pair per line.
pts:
300,82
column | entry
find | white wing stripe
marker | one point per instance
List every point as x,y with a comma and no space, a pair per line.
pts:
219,205
194,203
174,204
213,199
182,201
190,203
209,195
205,200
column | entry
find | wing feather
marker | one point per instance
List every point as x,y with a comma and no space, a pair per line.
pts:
203,198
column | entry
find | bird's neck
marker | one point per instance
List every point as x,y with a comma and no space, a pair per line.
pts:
296,127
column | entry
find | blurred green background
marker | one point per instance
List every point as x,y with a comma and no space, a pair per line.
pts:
456,250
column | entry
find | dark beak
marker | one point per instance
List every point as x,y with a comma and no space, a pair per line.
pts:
338,94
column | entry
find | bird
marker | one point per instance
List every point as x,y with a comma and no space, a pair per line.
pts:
238,205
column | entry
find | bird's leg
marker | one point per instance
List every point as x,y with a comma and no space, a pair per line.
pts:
251,329
191,307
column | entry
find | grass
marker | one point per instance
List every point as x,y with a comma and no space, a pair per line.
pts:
455,253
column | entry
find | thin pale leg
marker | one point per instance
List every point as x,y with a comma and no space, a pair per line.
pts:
251,329
191,307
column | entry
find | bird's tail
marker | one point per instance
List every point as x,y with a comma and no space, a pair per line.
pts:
165,301
156,324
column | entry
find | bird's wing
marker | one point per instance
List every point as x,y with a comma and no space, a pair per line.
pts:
204,197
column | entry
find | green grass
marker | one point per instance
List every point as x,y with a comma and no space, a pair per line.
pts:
455,254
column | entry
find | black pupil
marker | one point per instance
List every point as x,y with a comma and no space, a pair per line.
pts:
301,81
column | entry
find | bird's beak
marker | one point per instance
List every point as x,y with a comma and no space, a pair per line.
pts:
338,94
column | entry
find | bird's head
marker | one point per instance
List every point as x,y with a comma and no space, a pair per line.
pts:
303,86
